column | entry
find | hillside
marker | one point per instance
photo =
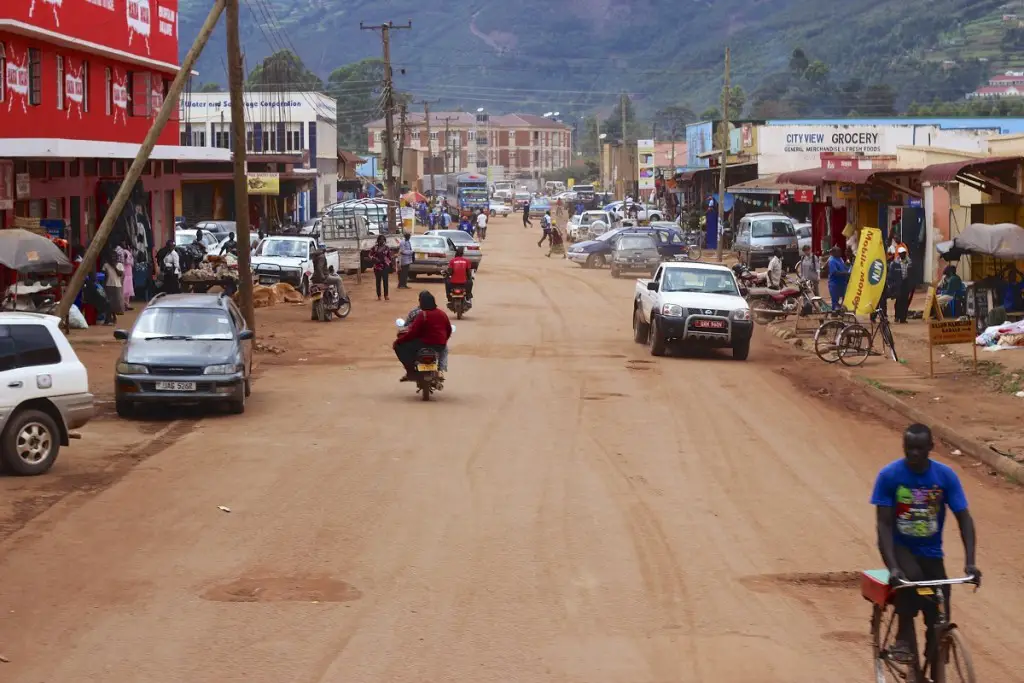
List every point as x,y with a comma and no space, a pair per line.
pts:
575,55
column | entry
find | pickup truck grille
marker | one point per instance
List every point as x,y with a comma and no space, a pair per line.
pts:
707,311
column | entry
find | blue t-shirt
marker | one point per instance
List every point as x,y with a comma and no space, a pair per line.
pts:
920,502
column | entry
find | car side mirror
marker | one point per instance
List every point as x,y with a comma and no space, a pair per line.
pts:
246,335
121,335
652,286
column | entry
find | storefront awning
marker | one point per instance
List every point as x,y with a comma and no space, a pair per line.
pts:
976,173
853,176
766,185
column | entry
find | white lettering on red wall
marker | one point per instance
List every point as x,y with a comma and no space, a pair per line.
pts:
168,21
17,80
140,20
104,4
54,3
74,89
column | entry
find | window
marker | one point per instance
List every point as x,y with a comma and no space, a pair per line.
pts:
139,92
35,77
60,82
3,71
472,135
85,87
24,346
248,141
108,90
773,228
433,135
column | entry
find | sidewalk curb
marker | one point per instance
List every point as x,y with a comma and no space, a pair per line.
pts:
968,446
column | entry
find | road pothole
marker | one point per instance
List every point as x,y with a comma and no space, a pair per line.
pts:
603,396
639,364
284,589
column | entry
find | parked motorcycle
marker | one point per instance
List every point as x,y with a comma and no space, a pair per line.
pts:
428,363
327,303
771,304
748,278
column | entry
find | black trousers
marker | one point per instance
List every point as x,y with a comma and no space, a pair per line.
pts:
407,351
448,288
403,276
903,297
381,278
545,235
908,603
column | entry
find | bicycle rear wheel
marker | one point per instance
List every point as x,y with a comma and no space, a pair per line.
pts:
826,340
854,344
956,659
883,635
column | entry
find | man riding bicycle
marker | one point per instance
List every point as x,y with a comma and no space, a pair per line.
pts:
910,497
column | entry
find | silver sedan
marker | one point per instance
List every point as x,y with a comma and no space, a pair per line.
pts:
471,248
431,254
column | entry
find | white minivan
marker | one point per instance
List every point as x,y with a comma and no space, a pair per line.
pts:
44,392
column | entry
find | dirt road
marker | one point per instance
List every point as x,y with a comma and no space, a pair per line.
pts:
570,509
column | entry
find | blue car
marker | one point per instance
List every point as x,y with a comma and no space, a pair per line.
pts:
595,253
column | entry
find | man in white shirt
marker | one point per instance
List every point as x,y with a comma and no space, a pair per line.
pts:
775,270
481,225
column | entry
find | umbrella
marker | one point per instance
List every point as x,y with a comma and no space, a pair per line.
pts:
1002,241
413,197
27,252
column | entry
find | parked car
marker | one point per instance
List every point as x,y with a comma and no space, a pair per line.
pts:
183,238
221,229
185,348
498,208
254,239
471,248
759,234
572,228
566,197
635,253
45,394
431,254
597,252
594,223
692,303
804,235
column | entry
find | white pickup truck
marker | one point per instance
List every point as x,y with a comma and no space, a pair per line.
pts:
287,258
692,303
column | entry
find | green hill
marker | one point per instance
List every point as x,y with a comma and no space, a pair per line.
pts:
575,55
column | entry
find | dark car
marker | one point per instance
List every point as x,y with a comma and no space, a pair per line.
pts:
596,253
185,348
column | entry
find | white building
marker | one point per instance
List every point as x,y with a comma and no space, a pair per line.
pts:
300,125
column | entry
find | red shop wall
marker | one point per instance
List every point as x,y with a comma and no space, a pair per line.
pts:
147,28
19,119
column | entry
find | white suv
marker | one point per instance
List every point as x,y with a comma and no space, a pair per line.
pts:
44,392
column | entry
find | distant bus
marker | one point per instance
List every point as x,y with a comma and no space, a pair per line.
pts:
470,191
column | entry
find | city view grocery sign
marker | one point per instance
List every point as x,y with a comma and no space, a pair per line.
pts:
145,28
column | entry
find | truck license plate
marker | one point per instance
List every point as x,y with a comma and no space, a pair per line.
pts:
710,324
267,279
175,386
427,367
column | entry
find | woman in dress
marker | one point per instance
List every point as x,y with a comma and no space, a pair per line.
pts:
127,259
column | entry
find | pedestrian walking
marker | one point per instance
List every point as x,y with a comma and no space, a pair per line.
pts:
113,271
381,257
838,277
902,289
405,260
810,269
127,259
545,227
526,217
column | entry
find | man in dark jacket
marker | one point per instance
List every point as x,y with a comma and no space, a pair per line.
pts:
430,329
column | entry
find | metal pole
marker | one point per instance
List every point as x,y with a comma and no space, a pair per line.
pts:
235,80
724,142
135,171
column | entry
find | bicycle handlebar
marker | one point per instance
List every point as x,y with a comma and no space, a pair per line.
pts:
937,582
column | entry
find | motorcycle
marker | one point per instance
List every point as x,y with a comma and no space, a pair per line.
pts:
428,362
457,301
327,303
748,278
771,304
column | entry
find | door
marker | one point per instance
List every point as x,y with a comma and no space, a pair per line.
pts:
28,354
75,221
239,322
912,229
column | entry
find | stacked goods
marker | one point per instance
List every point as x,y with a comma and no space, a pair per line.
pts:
263,296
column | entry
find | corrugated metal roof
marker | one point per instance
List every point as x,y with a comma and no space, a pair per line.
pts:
855,176
947,173
766,185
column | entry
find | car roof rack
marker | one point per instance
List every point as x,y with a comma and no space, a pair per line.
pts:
158,295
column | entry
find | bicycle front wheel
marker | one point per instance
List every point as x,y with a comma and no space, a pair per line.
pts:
694,251
888,341
826,340
955,658
883,634
854,344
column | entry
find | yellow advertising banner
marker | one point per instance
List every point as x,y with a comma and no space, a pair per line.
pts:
263,183
867,277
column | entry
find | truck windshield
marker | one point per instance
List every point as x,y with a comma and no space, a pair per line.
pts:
288,248
698,280
775,228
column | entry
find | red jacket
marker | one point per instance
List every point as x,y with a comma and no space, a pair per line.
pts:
458,270
431,327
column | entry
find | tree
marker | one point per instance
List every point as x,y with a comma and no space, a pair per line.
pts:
878,100
737,100
772,109
356,88
798,63
283,71
613,124
210,87
710,114
817,72
673,119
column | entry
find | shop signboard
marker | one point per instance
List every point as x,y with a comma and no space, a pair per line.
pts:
699,140
804,196
263,183
845,191
6,185
947,332
23,186
645,164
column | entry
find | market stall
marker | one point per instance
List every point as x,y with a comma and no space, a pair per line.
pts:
36,264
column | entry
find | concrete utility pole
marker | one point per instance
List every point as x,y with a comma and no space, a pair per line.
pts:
624,150
447,143
389,118
430,143
724,142
170,106
401,143
235,81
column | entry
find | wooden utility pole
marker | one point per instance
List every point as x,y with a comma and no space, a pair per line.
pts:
389,118
624,150
401,144
724,142
430,144
170,106
447,143
235,84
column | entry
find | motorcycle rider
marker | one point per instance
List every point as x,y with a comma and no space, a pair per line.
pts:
429,329
460,273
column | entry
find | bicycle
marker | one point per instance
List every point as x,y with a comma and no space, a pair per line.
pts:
948,645
826,337
856,342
